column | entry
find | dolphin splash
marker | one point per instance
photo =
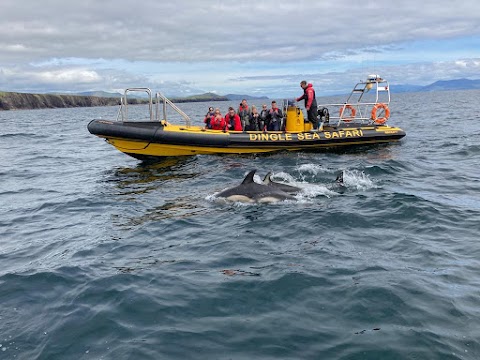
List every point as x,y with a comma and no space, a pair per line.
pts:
270,191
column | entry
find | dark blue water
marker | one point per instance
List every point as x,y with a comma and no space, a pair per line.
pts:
105,257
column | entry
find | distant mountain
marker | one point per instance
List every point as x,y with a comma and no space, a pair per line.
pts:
208,96
100,94
236,97
401,88
441,85
143,95
103,94
458,84
201,97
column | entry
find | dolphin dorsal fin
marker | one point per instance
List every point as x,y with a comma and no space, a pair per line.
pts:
267,179
339,178
249,178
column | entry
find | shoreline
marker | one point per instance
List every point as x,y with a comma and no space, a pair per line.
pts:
28,101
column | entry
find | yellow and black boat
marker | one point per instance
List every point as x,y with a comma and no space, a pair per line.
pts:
358,122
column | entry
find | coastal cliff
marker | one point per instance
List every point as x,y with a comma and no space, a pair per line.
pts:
20,101
24,101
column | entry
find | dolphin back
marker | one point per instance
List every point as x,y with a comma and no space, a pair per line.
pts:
280,186
250,191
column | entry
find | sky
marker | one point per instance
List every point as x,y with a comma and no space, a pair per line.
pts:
254,47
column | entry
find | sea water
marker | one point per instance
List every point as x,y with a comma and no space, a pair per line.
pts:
105,257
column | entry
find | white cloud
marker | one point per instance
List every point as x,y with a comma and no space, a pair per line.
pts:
68,76
461,63
210,42
15,48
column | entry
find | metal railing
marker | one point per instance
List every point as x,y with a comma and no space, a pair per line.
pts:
159,97
166,102
355,109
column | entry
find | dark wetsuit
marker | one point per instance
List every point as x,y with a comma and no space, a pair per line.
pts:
275,117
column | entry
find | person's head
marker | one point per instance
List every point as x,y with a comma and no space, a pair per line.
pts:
231,111
264,107
274,104
244,102
303,84
217,111
254,109
210,109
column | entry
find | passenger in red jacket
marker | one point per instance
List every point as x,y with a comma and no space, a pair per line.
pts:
218,122
233,120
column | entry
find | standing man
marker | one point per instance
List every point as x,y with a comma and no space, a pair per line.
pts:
275,118
244,112
310,102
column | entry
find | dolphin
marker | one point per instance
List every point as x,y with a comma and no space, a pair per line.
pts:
339,185
289,189
249,191
339,179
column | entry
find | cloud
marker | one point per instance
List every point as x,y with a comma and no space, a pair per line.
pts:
68,76
213,43
205,30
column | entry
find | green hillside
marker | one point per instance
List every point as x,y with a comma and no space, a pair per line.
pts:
201,97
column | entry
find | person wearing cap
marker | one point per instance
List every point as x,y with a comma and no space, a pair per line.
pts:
310,102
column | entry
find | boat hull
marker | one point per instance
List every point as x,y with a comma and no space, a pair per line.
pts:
152,139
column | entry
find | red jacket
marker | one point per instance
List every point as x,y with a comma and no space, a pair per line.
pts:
217,123
246,108
308,95
237,124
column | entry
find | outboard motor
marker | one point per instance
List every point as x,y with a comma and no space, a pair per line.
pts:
324,114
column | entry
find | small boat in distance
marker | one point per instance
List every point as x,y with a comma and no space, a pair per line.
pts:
357,121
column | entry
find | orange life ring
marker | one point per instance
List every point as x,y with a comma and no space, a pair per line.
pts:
353,112
383,119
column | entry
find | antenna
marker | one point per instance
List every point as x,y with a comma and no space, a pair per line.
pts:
362,69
